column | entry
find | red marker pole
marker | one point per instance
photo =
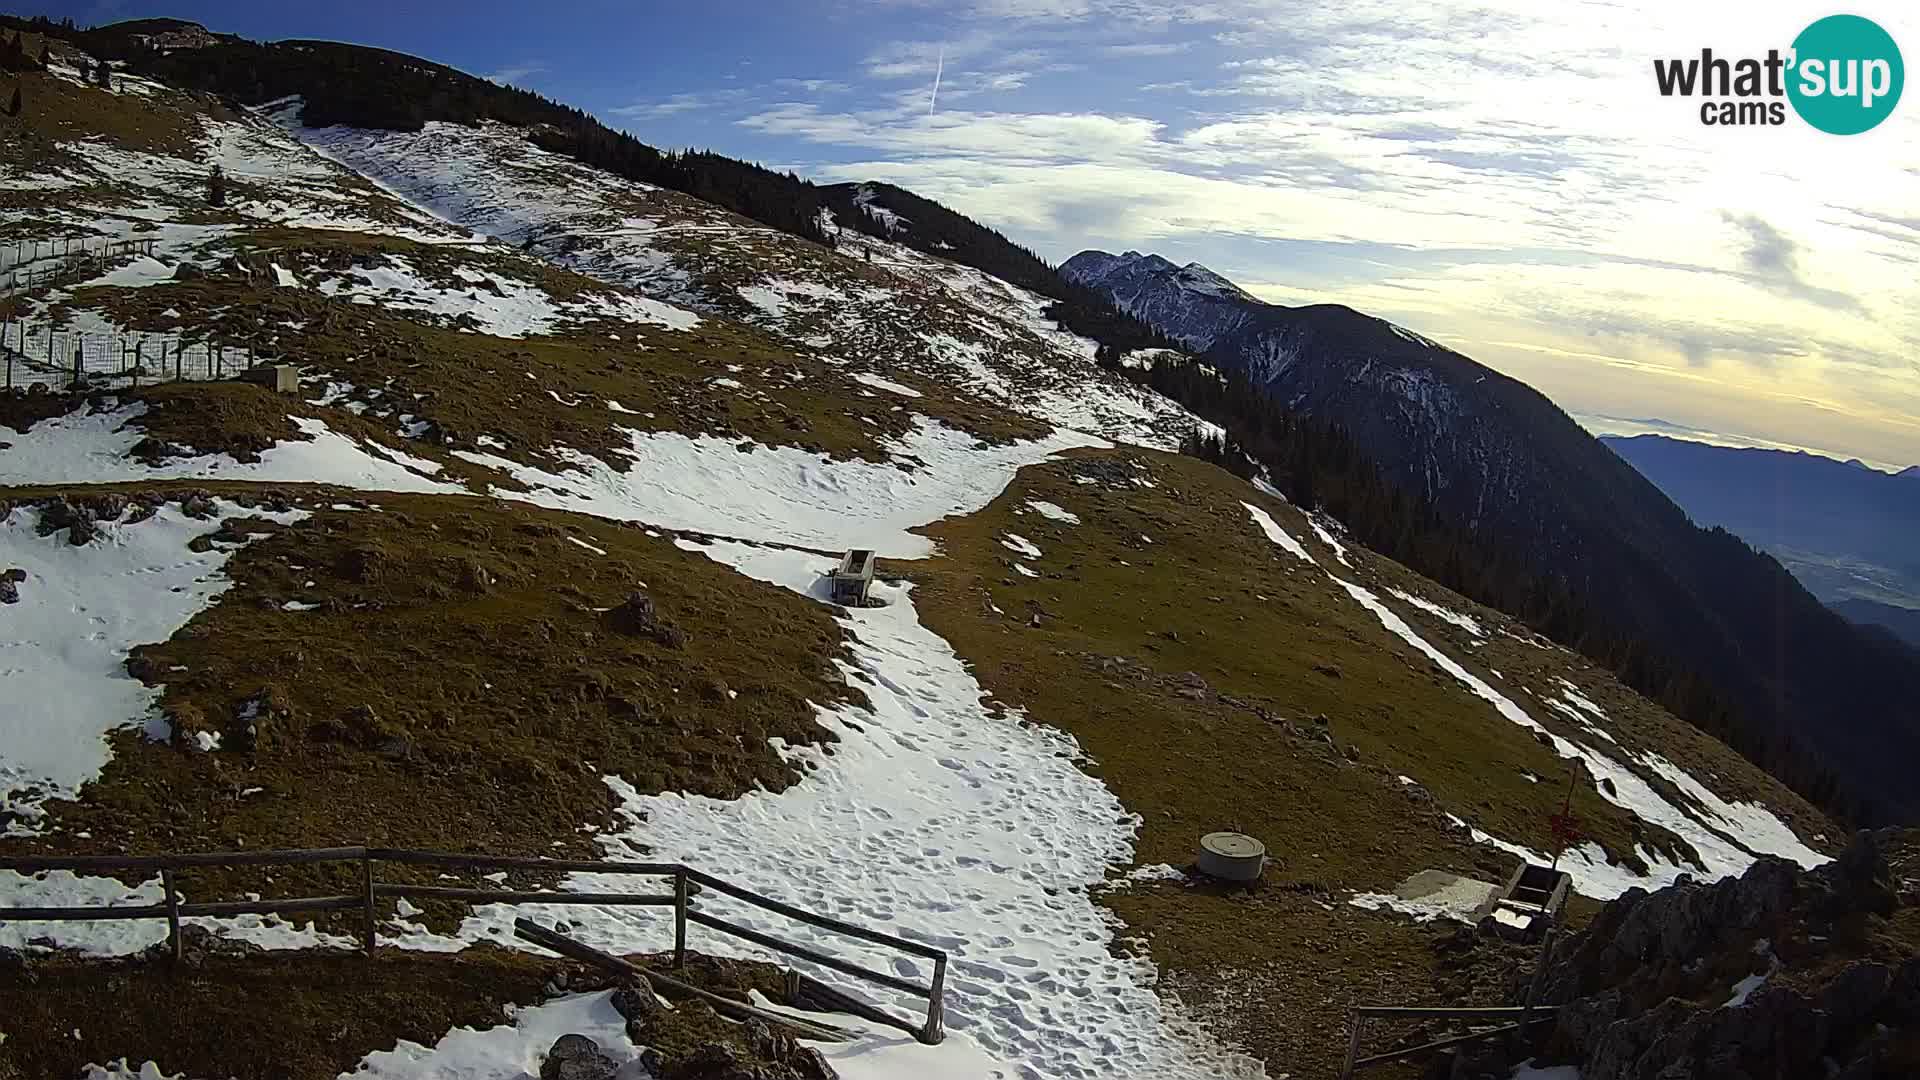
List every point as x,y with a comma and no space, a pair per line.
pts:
1563,823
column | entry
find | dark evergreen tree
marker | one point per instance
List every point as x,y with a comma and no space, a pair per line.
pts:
217,187
103,76
13,104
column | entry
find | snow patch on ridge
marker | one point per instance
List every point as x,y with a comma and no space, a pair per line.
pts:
92,447
785,494
1726,844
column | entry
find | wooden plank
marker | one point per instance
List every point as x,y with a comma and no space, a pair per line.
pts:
834,962
269,907
174,944
936,1029
528,930
1484,1011
1440,1044
504,896
29,864
372,928
82,914
832,999
822,921
680,919
1355,1020
507,862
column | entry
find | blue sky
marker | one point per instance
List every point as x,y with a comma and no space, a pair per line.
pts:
1498,174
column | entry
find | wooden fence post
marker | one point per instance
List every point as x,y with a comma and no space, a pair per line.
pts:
173,913
936,1005
1353,1044
371,924
680,918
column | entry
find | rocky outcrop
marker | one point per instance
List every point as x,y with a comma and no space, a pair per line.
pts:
576,1057
637,617
1776,973
691,1042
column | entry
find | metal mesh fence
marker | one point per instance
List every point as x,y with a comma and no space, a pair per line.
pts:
69,360
32,264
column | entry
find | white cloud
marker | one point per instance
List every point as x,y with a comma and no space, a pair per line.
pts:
1500,174
1147,48
678,103
814,86
515,73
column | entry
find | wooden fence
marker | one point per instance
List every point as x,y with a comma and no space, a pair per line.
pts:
1517,1019
686,885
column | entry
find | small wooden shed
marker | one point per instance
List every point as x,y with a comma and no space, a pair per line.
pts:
853,577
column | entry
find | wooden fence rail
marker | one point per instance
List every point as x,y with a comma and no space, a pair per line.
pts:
688,885
1520,1017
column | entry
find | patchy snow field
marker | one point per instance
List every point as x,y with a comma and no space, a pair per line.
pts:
63,646
973,834
88,447
492,180
786,495
1727,836
495,303
169,191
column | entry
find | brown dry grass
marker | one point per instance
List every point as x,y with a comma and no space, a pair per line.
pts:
472,384
54,110
458,688
1162,589
309,1015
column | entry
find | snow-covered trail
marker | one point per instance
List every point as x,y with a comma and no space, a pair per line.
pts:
935,821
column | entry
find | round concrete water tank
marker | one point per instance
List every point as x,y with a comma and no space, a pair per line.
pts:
1232,856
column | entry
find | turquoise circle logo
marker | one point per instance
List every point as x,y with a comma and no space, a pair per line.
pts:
1847,74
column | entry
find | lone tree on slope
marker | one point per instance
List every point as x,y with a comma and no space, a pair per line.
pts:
217,187
13,104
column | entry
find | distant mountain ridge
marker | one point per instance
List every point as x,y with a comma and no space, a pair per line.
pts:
1845,529
1497,457
1902,622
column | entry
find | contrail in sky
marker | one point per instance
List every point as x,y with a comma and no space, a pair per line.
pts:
938,65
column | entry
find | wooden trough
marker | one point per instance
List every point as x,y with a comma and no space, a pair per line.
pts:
1528,903
853,577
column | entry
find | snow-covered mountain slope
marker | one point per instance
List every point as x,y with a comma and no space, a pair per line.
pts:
866,305
1190,304
399,607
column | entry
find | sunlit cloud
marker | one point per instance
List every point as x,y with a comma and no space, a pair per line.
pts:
1498,174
